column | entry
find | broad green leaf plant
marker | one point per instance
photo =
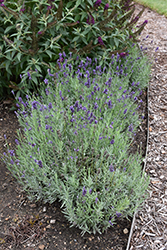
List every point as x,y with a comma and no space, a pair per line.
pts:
33,33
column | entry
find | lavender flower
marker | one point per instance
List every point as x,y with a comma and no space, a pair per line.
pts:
110,104
34,104
61,59
112,141
29,75
40,163
110,222
96,200
50,105
130,127
11,152
46,81
72,109
111,168
47,127
105,91
118,214
84,191
49,73
95,105
125,111
12,162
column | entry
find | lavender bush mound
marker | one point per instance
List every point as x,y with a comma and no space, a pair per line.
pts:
74,145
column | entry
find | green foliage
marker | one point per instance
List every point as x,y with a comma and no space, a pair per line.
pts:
75,140
28,40
33,33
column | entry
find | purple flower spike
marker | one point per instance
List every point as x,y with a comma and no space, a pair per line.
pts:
125,111
95,105
112,141
123,54
106,6
50,105
100,41
29,75
47,127
40,163
34,104
84,191
61,59
49,72
118,214
49,7
110,222
16,141
90,191
22,9
46,81
12,162
96,200
90,20
130,127
97,3
145,22
11,152
72,109
111,168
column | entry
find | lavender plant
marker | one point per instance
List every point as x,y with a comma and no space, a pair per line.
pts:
74,145
34,32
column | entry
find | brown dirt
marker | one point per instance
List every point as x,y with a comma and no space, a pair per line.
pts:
33,226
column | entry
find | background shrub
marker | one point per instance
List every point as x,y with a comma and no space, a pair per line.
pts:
33,33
